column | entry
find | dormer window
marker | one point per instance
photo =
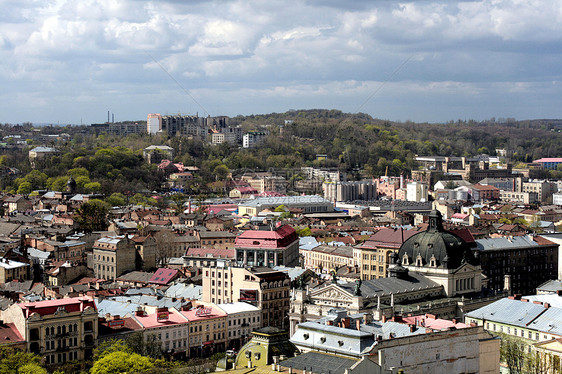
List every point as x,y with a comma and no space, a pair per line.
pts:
405,259
323,340
419,261
433,262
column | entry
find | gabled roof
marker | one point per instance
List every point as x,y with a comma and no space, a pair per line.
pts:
163,276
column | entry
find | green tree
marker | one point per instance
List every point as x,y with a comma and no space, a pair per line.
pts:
150,346
92,187
512,352
92,215
25,188
15,362
116,199
121,362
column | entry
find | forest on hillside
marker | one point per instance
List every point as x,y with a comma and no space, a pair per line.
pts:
357,144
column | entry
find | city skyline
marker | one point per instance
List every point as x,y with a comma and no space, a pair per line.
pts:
72,62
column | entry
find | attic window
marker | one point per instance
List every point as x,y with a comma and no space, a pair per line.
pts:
433,262
416,245
340,342
405,259
419,261
323,339
306,336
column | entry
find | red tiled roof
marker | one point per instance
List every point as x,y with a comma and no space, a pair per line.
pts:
9,334
163,276
47,307
282,237
214,252
191,315
389,238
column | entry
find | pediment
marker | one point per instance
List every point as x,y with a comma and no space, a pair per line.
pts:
332,292
467,268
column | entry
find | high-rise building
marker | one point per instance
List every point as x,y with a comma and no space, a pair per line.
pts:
153,123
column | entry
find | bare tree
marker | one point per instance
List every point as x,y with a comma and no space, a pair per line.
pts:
164,246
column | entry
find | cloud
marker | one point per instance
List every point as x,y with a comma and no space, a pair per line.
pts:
280,54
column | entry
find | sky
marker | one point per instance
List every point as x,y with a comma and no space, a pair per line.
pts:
70,62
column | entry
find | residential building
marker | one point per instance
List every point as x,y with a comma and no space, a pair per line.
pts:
153,123
113,256
549,163
527,261
13,270
519,197
242,318
279,246
185,125
18,203
373,256
39,154
146,251
308,204
325,258
503,184
543,188
60,330
207,330
416,191
484,192
155,154
420,344
170,326
253,139
264,288
529,319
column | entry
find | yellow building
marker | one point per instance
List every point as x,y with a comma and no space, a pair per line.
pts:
59,330
264,288
373,256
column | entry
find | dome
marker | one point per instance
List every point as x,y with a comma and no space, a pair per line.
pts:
435,247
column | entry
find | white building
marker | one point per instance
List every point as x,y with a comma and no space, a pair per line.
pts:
242,318
252,139
416,191
153,123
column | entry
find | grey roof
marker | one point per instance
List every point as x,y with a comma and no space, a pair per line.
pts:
136,276
143,291
386,286
115,308
550,321
552,285
512,312
335,339
186,291
505,243
43,149
320,363
286,200
151,300
292,272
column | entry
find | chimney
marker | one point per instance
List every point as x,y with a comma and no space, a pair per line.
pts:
358,324
330,323
346,322
525,300
383,319
454,321
139,312
546,305
537,302
412,328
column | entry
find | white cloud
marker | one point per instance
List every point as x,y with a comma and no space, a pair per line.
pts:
282,54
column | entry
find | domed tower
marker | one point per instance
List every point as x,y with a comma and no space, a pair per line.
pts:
443,257
71,185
